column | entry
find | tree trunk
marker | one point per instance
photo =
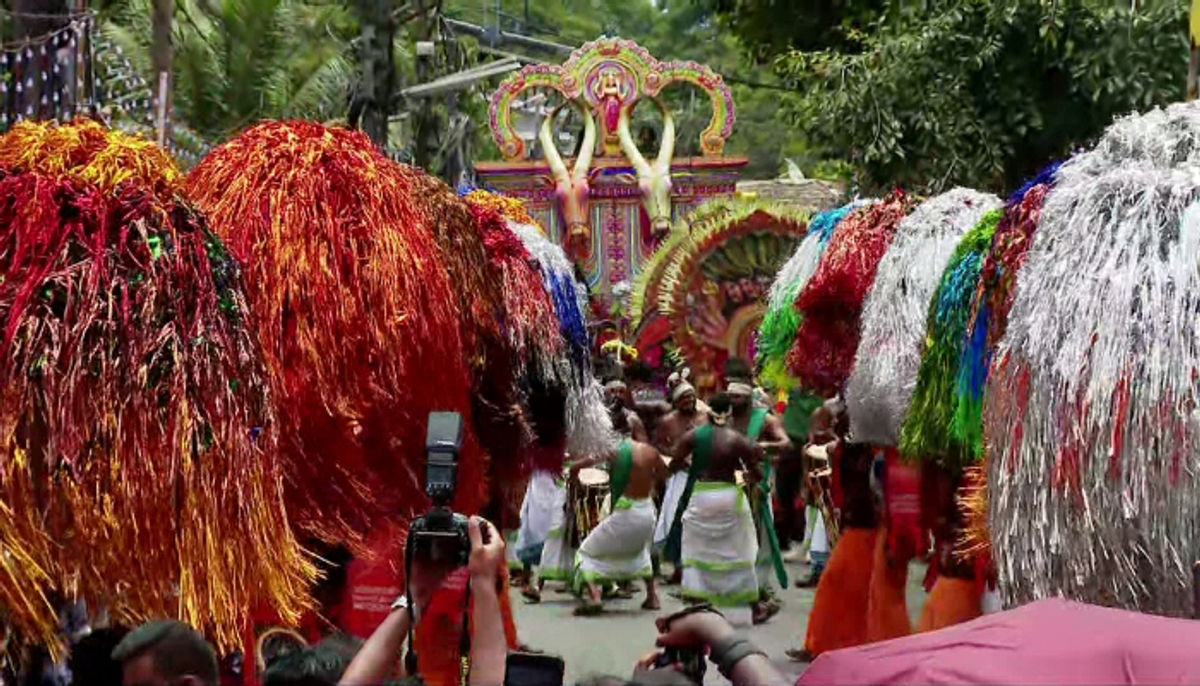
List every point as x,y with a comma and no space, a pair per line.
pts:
1193,70
378,70
162,14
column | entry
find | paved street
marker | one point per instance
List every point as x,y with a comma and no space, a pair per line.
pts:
610,644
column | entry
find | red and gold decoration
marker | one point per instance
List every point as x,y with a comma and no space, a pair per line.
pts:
353,305
140,468
711,284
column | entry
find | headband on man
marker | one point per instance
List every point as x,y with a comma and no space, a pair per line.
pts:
681,390
738,388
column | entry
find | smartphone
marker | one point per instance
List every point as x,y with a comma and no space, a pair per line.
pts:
528,669
692,661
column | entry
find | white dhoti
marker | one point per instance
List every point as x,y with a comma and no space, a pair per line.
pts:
720,546
542,496
675,487
557,562
619,548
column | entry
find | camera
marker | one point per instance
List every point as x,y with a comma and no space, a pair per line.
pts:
441,535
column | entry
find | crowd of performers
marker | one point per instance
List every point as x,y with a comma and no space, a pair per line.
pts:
216,386
688,482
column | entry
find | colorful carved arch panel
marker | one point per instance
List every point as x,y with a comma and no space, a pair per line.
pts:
713,284
611,75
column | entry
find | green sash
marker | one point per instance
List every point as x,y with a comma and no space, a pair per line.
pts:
621,469
763,518
701,452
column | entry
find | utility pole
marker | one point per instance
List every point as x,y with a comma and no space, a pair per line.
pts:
378,70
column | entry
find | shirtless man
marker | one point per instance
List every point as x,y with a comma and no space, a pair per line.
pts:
718,532
685,416
760,426
625,420
619,548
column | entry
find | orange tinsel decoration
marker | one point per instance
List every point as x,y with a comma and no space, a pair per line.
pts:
138,456
350,299
480,295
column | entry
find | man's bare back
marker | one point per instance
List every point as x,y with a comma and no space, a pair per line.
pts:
729,453
648,469
673,427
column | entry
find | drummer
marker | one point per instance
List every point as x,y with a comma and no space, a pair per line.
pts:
618,550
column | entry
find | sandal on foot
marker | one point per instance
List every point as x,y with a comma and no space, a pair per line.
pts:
799,655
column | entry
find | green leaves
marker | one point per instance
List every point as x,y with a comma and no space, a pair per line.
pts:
980,93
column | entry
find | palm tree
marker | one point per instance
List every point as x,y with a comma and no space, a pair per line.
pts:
240,61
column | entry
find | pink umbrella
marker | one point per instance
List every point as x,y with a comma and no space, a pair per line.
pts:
1048,642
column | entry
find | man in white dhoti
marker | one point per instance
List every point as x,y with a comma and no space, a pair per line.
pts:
719,541
555,558
685,416
537,513
618,549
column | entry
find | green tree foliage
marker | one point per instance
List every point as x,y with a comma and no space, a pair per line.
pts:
982,93
772,27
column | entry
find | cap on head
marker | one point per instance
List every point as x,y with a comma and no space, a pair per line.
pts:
176,653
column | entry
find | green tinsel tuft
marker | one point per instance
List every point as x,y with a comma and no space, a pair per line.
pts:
926,434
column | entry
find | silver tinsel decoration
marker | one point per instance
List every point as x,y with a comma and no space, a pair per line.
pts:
589,426
893,320
1092,451
1160,138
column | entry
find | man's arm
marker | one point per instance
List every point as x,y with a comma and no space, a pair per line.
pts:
752,458
776,438
588,462
637,430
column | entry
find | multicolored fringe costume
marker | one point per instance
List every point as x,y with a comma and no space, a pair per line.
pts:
1090,425
822,354
925,436
134,391
894,315
779,325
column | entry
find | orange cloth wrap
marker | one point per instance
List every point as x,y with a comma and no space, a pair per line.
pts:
887,611
952,601
839,614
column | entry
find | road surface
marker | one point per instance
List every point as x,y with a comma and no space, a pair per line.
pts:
611,643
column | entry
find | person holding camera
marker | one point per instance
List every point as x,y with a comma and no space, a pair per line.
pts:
686,639
487,644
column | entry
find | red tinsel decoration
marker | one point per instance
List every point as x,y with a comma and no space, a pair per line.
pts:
831,303
351,301
131,390
533,329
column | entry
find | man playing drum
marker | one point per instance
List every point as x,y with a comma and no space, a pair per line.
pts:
719,542
618,550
